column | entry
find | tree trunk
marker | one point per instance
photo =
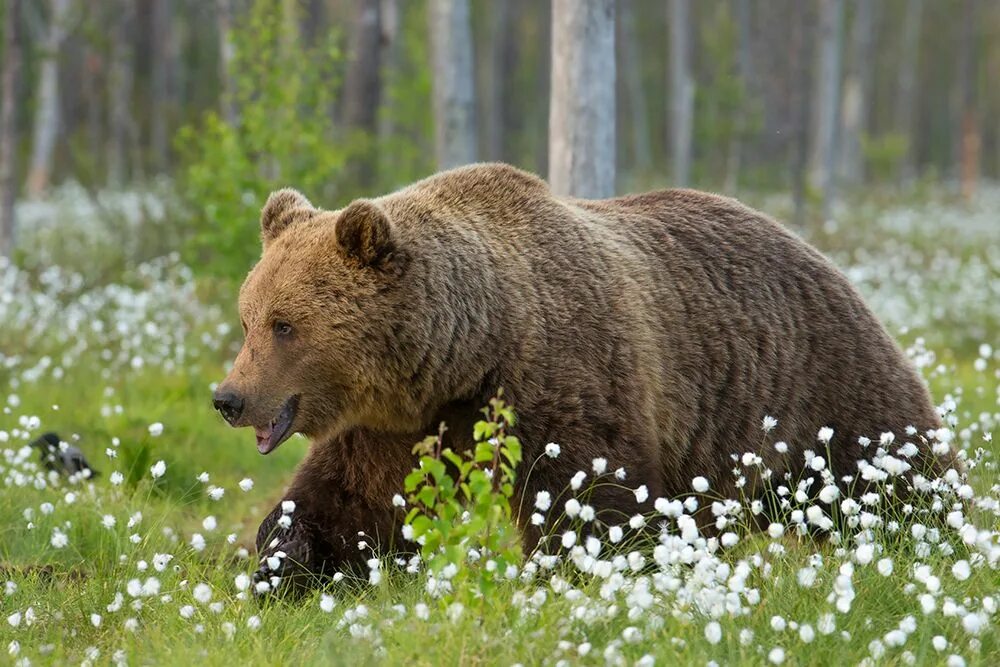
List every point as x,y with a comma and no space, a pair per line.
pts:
856,108
120,95
227,52
970,139
744,69
831,52
800,54
582,111
363,85
635,92
500,44
9,80
454,89
162,65
906,93
46,124
681,90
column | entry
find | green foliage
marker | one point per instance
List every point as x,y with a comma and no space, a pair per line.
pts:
461,502
883,155
283,136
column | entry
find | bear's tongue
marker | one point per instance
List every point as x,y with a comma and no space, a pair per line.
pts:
265,440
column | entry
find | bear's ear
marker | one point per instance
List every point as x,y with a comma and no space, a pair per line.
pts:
365,235
281,209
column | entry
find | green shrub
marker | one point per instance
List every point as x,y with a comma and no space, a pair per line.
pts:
283,137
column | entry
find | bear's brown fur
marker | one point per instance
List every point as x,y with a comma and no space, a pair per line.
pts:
654,330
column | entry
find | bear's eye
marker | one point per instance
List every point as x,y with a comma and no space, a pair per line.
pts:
282,329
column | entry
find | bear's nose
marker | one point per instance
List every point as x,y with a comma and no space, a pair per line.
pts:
229,405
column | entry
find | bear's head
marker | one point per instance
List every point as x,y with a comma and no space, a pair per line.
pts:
325,313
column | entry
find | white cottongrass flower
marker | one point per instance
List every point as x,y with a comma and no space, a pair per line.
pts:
768,423
699,484
577,480
713,632
543,501
572,508
156,429
326,603
287,506
825,435
960,570
776,655
641,494
885,567
552,450
59,539
198,542
246,484
158,469
781,447
599,466
398,501
242,582
108,521
116,478
216,492
568,539
202,593
253,622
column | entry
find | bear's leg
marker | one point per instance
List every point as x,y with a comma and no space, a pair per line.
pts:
321,528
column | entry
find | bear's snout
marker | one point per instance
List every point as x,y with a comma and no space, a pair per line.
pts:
229,405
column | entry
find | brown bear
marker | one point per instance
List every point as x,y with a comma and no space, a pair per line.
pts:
654,331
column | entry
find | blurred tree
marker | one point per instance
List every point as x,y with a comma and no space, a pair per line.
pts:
856,108
363,86
224,28
498,63
969,141
454,89
582,111
801,83
682,89
162,64
906,87
831,29
10,73
120,82
633,91
47,120
746,105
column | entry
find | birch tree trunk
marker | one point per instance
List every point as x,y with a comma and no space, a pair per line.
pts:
856,107
47,121
454,89
681,91
582,107
831,53
906,93
9,80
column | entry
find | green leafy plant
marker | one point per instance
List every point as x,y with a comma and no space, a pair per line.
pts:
282,136
461,503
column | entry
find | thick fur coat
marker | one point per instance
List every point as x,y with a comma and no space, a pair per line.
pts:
654,331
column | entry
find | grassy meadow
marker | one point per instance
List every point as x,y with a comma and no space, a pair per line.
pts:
146,563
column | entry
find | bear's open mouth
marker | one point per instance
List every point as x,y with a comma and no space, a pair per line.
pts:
279,429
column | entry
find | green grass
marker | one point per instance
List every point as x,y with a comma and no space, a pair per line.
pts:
65,586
